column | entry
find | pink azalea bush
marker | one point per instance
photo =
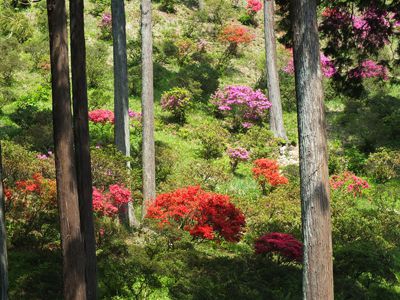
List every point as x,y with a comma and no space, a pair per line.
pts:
281,243
110,203
177,101
253,6
348,183
102,116
237,155
327,65
369,69
242,104
106,25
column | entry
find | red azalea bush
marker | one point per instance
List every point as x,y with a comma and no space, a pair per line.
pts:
101,116
203,214
109,203
253,6
349,183
281,243
236,35
267,171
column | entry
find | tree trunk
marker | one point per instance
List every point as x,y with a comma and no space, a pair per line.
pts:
148,151
82,150
3,240
274,94
316,218
67,191
121,101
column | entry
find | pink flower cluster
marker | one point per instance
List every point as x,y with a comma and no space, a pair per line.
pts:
106,20
253,6
101,116
137,116
369,69
44,156
281,243
349,183
242,101
109,203
328,67
238,153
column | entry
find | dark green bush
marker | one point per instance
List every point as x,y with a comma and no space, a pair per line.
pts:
260,141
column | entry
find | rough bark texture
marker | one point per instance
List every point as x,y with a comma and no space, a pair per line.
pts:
317,268
3,239
82,150
274,94
149,181
67,191
121,101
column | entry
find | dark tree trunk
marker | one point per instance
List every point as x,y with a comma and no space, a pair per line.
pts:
121,101
316,218
82,150
3,240
67,191
148,148
274,94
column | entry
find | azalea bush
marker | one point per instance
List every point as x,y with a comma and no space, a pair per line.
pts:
235,35
203,214
109,203
105,26
177,101
283,244
241,104
349,183
252,7
266,172
237,155
369,69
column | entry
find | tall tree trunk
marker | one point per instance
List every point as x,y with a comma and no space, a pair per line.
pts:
316,218
67,191
121,101
276,117
3,239
82,150
148,158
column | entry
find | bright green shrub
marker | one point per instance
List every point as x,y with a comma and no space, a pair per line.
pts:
383,165
260,141
213,140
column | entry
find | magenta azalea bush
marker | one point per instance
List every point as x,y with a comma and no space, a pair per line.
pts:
242,104
327,65
101,116
237,155
369,69
176,101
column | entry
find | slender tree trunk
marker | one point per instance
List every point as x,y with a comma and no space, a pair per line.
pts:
3,240
67,191
82,150
121,101
149,181
316,218
276,117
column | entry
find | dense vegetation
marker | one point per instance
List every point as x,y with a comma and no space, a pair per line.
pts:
226,223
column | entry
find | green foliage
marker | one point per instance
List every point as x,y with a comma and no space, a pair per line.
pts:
383,165
260,141
97,68
15,24
167,6
177,101
213,140
98,6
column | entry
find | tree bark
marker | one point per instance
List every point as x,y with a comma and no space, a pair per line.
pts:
121,101
274,94
148,148
314,183
3,239
67,191
82,150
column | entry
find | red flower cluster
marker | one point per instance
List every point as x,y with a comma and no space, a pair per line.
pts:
282,243
236,34
203,214
101,116
33,185
267,171
108,203
349,183
253,6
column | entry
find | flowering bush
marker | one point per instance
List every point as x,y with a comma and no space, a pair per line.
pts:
369,69
204,215
101,116
236,155
253,6
348,183
242,104
267,171
328,67
176,100
106,25
235,35
109,203
284,244
31,208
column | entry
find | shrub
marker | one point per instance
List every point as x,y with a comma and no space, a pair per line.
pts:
204,215
242,104
167,6
237,155
235,35
383,165
110,203
349,183
260,142
266,171
177,101
101,116
106,26
213,140
281,243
